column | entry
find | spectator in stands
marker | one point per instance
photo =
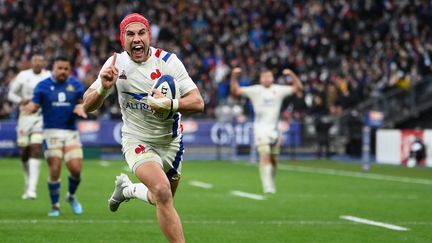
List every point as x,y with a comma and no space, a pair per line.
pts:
417,155
319,37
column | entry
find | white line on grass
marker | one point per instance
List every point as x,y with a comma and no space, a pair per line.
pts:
104,163
208,222
355,174
219,222
201,184
374,223
247,195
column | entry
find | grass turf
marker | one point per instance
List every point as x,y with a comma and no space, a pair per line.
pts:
311,198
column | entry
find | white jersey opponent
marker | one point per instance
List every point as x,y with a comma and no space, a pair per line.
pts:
267,103
134,85
21,88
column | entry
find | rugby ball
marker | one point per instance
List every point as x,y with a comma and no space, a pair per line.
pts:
167,85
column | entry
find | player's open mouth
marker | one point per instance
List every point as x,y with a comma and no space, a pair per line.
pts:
138,50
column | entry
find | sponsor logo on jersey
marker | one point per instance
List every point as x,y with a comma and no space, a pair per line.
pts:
139,149
70,88
123,75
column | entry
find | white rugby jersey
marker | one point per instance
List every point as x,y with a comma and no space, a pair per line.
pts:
266,103
134,84
21,88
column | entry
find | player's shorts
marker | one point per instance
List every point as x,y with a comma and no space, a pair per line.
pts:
29,130
267,142
169,156
60,139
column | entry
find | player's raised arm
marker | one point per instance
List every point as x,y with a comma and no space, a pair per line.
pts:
235,87
297,84
93,98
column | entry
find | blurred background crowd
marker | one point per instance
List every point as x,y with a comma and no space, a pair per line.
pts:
343,51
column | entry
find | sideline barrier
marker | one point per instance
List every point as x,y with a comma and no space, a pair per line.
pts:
107,133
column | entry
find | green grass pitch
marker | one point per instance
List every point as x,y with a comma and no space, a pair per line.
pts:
312,196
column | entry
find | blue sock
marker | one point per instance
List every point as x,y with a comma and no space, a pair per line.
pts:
54,192
73,185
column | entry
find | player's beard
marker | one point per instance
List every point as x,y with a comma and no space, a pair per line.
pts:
61,78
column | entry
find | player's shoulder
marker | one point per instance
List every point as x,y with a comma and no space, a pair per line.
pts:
25,73
163,55
74,81
45,83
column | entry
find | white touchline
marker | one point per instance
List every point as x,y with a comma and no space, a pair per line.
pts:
356,174
201,184
247,195
374,223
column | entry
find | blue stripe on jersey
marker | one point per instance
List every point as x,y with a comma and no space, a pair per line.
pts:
165,58
138,96
175,126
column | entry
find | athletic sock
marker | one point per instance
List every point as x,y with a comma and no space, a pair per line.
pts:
73,185
33,174
137,190
54,192
266,177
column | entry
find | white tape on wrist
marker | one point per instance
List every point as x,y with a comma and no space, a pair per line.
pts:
174,105
159,102
102,91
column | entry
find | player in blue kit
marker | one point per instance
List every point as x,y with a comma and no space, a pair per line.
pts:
60,97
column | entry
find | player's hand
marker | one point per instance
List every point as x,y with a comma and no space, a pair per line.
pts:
287,72
109,74
158,102
24,102
30,108
235,72
79,110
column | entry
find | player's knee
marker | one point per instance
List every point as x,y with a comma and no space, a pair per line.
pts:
162,193
74,154
35,151
51,153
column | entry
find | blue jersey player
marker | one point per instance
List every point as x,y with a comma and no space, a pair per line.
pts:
60,97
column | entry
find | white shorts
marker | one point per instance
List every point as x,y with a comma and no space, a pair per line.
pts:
61,138
29,130
265,137
267,142
169,156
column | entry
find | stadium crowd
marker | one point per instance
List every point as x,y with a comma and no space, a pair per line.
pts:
344,51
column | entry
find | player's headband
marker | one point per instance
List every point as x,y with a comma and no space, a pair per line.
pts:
131,18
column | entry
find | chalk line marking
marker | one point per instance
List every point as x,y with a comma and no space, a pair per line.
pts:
104,163
207,222
356,174
374,223
247,195
201,184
